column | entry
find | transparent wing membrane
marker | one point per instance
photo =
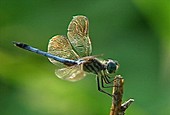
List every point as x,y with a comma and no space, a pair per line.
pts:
72,73
78,35
76,46
60,46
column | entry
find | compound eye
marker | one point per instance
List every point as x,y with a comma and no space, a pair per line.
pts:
112,66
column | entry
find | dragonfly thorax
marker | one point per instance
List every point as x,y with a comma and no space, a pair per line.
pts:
93,65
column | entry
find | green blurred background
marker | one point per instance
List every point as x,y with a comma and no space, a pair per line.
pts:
136,33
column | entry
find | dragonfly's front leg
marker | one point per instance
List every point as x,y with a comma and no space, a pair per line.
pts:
98,86
106,80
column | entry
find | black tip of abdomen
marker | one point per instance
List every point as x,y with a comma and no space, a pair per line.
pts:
19,44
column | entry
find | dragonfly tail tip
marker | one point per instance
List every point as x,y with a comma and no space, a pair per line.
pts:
19,44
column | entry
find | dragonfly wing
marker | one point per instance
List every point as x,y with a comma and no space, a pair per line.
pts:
72,73
60,46
78,35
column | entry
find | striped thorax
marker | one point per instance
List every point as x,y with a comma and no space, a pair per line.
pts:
95,66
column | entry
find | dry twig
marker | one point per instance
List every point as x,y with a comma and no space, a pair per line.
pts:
117,107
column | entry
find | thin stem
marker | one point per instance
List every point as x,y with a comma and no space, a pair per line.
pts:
117,107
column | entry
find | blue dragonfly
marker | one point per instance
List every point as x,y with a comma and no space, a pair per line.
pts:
72,55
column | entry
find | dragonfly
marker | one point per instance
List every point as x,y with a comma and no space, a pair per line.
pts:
72,55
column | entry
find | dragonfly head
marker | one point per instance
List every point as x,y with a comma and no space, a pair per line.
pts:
112,66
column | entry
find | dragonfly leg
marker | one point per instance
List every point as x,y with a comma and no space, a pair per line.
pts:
106,80
103,82
99,88
109,79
